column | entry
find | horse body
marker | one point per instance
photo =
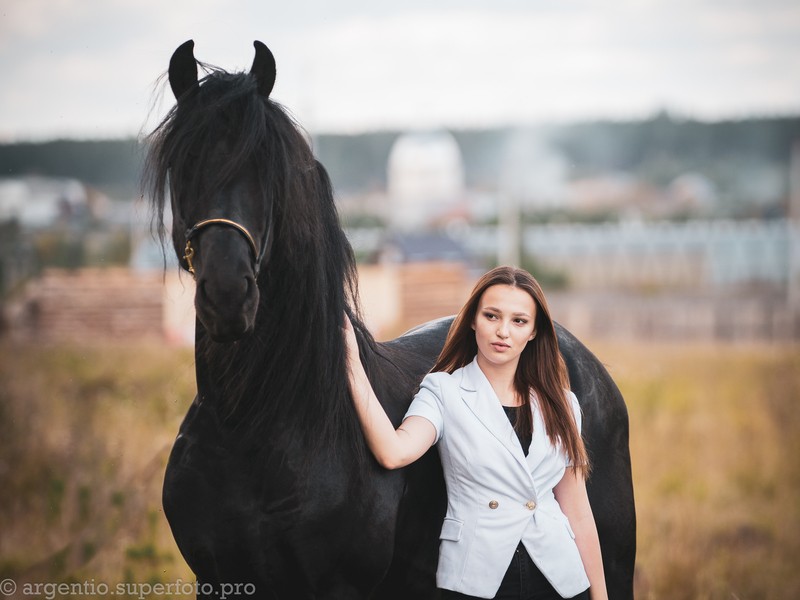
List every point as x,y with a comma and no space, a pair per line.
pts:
269,483
255,513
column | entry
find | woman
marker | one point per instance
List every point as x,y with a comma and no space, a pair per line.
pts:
507,428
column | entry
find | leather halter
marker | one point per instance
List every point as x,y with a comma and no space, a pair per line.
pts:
258,254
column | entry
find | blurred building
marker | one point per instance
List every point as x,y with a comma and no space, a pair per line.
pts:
709,280
716,254
89,305
41,202
415,278
425,179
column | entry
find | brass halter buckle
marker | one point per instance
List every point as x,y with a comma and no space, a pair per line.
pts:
188,255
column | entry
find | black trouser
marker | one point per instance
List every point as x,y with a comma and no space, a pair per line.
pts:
523,581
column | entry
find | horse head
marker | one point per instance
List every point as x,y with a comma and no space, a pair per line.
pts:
210,152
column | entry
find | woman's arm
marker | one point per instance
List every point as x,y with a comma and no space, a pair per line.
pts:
574,501
392,448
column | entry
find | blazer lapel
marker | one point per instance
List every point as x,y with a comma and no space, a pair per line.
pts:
478,395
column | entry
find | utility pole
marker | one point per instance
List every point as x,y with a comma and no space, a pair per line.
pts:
793,283
508,230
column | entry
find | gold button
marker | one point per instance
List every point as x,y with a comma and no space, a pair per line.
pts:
493,504
530,505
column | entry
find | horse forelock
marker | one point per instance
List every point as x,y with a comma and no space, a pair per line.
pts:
291,371
225,108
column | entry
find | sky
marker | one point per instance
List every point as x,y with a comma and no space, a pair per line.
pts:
91,68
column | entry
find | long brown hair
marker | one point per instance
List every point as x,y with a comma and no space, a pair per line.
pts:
541,367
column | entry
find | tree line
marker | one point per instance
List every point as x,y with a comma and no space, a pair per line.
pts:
655,150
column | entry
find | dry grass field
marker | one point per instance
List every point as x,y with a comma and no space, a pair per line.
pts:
715,444
715,439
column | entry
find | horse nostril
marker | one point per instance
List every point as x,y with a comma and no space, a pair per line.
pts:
252,293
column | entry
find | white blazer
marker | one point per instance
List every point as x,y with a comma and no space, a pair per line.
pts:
496,496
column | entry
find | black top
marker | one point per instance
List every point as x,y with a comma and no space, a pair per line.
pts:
511,413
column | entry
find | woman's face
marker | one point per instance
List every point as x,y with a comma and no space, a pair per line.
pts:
504,324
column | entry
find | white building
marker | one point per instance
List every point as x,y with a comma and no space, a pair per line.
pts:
425,178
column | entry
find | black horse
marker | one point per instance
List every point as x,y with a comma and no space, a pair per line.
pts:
270,490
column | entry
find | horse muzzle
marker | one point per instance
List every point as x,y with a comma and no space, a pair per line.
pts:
226,295
228,312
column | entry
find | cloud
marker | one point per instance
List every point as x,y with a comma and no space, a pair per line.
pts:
477,67
86,67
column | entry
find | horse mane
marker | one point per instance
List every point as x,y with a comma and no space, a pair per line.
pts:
290,376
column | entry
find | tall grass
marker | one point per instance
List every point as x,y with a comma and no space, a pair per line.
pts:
84,437
715,444
715,441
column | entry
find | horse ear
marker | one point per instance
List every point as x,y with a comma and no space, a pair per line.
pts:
263,69
183,69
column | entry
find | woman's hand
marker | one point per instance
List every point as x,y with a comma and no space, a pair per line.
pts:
392,448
